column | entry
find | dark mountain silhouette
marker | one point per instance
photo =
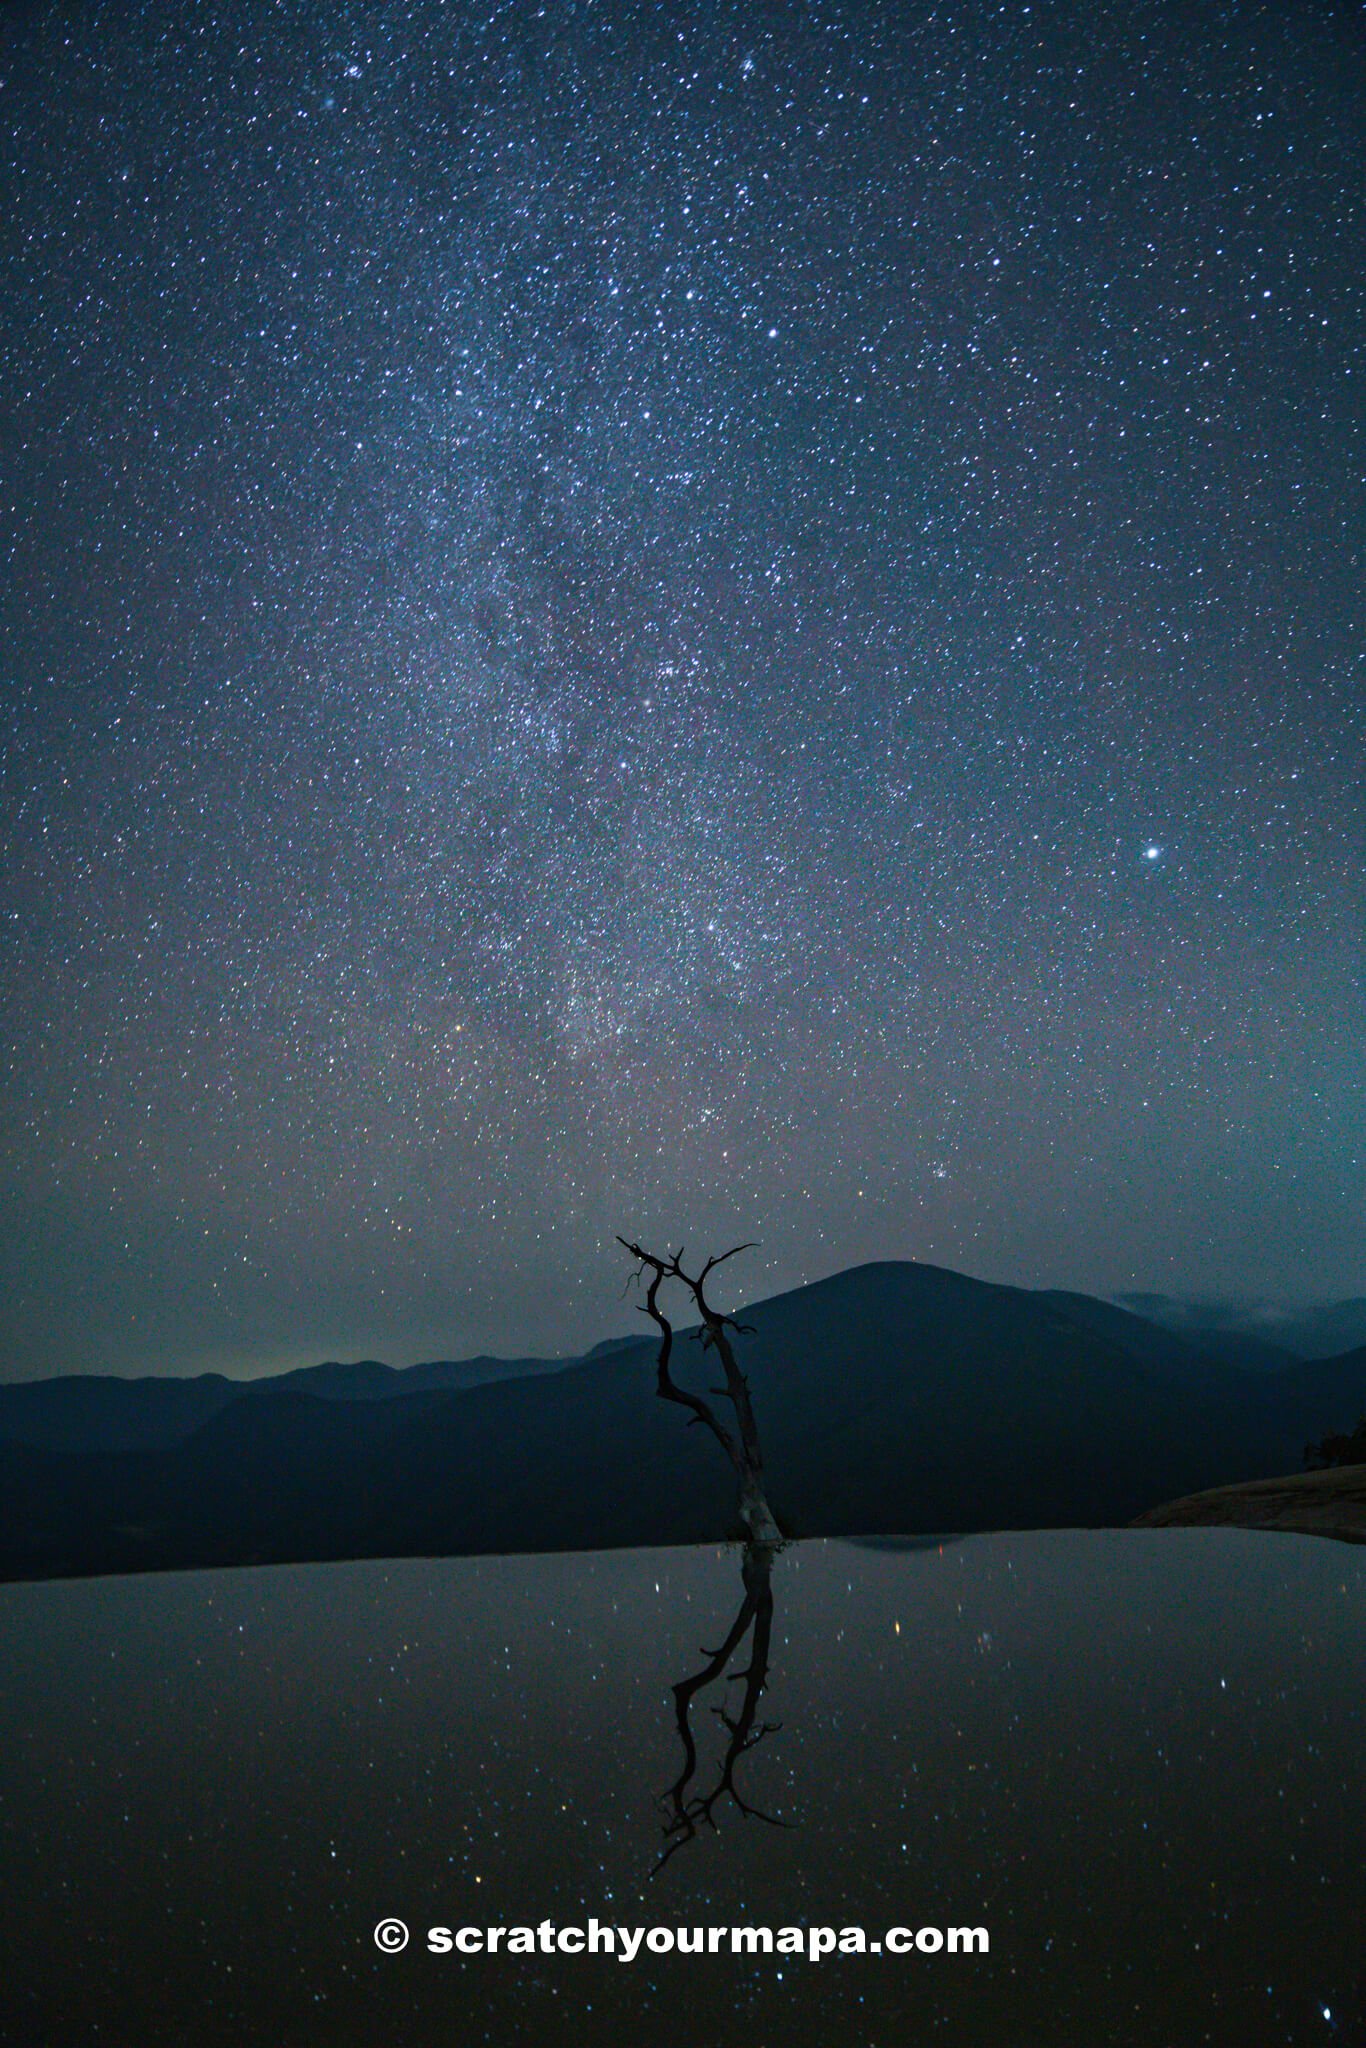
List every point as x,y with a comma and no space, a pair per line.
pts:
96,1411
99,1412
1330,1331
893,1398
370,1381
1183,1358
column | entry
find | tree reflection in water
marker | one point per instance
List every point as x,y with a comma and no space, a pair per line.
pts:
687,1808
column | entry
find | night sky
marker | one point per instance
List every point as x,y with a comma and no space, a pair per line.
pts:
725,622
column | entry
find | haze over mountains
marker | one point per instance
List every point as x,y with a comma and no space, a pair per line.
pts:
892,1398
1249,1331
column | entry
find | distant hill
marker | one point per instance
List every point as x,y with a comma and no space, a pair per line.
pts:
99,1412
1257,1332
1180,1353
894,1398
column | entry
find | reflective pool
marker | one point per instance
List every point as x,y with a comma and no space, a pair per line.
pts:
1135,1758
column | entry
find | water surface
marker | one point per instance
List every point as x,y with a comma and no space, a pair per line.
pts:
1134,1757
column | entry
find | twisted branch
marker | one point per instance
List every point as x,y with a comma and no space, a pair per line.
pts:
745,1454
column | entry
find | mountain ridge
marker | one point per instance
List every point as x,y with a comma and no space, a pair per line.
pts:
105,1411
893,1398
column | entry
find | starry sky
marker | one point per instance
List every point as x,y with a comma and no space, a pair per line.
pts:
720,623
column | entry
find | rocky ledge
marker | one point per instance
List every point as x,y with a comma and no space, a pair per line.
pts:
1331,1503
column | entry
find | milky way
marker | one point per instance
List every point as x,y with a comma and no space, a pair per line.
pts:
717,623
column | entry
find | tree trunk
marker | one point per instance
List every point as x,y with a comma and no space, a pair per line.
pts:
741,1445
756,1513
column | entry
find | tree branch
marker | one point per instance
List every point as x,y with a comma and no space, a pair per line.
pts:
742,1445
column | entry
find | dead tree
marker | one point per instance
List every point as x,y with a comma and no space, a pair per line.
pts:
740,1444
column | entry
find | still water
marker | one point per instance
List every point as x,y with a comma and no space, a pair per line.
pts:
1135,1758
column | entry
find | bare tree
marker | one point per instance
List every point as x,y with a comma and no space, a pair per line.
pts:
740,1444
